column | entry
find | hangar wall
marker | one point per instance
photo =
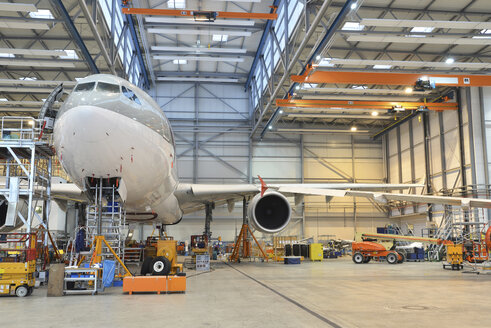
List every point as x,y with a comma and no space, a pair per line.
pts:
456,146
211,126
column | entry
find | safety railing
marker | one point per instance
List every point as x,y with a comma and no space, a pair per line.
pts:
23,128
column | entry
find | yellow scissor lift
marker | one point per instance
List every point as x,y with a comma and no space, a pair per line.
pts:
17,263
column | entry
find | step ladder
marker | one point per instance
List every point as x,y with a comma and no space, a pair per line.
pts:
106,218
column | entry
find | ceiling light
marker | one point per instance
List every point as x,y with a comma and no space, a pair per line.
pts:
31,123
325,62
5,55
41,13
297,87
180,61
4,99
398,108
318,57
358,87
353,129
353,6
281,111
408,90
382,66
352,26
28,78
270,127
422,29
374,113
220,37
309,85
449,61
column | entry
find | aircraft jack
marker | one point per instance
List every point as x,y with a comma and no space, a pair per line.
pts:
243,234
97,254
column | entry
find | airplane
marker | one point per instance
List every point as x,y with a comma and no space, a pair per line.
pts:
109,128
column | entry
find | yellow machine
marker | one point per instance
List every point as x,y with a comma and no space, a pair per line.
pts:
17,263
316,252
161,257
455,257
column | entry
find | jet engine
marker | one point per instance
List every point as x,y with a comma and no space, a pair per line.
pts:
270,213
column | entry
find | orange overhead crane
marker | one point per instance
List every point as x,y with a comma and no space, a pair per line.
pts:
315,76
196,13
309,103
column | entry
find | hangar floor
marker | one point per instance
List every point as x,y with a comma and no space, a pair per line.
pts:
334,293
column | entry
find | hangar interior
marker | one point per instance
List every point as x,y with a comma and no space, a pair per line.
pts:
331,94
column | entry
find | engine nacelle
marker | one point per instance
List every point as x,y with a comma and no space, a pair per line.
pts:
270,213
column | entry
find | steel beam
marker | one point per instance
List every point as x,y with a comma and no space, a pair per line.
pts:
75,35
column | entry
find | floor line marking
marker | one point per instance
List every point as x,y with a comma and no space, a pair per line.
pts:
315,314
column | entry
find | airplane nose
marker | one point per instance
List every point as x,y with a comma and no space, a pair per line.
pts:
85,123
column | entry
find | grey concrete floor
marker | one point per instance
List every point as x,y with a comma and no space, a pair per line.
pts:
334,293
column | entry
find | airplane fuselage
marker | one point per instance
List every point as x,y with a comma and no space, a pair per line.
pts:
110,128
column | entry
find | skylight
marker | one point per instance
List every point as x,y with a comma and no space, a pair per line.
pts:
486,32
28,78
220,37
5,55
382,66
422,29
176,4
309,85
4,99
70,54
180,61
353,26
359,87
42,13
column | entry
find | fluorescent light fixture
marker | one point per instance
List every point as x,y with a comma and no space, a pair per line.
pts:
199,50
33,52
178,20
22,24
4,99
70,54
5,55
354,129
352,26
202,58
425,23
359,87
220,37
176,4
197,79
196,32
180,61
28,78
325,62
35,63
374,113
408,90
422,29
7,6
42,13
449,61
382,66
389,38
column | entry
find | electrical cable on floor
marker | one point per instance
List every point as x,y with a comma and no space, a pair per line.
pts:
315,314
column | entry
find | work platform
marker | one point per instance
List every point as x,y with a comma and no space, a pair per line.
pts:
25,172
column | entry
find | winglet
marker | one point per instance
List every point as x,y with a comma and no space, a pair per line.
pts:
264,187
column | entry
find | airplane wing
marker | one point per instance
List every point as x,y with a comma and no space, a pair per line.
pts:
193,197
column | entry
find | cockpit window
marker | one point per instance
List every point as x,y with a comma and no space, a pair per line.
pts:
85,86
131,95
107,87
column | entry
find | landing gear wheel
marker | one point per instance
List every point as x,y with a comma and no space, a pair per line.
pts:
367,259
392,258
161,266
403,258
358,258
21,291
146,266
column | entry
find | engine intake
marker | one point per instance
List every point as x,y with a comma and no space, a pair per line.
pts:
270,213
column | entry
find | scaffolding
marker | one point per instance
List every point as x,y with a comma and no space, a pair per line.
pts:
25,174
